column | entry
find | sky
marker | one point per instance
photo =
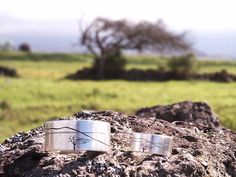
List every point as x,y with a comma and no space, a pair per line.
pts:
61,16
179,14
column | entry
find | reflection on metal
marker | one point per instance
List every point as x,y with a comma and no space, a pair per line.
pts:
77,135
151,143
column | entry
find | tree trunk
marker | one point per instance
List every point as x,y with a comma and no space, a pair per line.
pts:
99,68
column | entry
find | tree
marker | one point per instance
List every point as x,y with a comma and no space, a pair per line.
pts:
24,47
6,46
104,38
74,140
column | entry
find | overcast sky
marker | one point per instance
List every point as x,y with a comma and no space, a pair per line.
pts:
195,15
210,23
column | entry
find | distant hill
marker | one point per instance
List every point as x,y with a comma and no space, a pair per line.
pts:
45,42
216,45
213,45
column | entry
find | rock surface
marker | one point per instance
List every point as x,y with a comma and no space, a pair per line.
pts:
199,113
153,75
202,147
6,71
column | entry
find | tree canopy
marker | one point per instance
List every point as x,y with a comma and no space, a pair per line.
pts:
105,36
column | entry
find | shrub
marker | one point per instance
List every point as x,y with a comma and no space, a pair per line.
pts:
4,104
6,46
185,64
24,47
114,66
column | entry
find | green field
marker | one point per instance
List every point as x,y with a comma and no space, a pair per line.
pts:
41,93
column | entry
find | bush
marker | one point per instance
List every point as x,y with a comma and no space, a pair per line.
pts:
185,64
6,46
24,47
4,104
113,67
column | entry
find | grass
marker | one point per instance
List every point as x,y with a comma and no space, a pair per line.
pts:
41,93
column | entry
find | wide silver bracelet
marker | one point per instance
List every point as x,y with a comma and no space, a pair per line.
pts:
90,135
77,135
152,143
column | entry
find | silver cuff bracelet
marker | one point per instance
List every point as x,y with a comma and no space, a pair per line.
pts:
77,135
151,143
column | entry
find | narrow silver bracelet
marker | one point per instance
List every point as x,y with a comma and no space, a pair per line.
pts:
152,143
77,135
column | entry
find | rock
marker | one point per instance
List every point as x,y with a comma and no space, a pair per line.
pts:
222,76
153,75
201,148
6,71
199,113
